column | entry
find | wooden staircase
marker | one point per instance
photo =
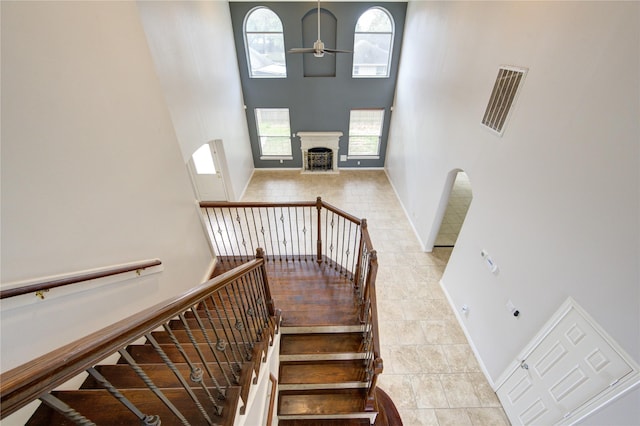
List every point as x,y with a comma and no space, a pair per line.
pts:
103,409
323,370
322,377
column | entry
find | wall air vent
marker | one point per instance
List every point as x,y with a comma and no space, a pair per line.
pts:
503,95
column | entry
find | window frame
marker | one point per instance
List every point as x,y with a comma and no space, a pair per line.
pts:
246,42
391,40
366,156
260,136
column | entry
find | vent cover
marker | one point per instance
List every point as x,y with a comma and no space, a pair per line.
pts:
504,93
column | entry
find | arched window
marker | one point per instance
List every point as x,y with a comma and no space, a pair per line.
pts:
372,44
264,44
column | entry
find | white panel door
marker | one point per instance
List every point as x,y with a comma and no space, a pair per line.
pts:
206,174
571,365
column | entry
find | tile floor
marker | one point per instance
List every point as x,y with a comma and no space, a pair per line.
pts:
457,207
430,371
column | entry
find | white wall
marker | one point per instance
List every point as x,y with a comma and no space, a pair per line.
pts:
556,199
193,49
92,174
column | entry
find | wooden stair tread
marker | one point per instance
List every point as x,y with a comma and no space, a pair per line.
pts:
320,343
147,353
319,372
111,412
319,317
321,402
122,376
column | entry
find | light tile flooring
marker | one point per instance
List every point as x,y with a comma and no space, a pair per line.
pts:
430,371
457,207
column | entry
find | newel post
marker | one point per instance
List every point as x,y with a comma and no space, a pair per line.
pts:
363,229
265,281
319,207
370,403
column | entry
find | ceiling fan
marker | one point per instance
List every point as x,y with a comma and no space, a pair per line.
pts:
318,48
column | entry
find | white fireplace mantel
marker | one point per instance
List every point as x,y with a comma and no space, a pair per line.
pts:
321,139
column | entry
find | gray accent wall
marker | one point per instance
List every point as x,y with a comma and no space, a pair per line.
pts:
317,103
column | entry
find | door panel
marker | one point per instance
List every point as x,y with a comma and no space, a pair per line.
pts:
571,365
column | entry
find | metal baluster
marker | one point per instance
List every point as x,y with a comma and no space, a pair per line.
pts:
169,363
295,210
232,329
293,252
331,240
255,228
213,233
240,324
246,219
221,344
226,228
235,234
273,252
147,381
196,346
255,299
311,241
342,263
275,225
145,420
65,410
195,370
349,268
252,314
210,343
262,298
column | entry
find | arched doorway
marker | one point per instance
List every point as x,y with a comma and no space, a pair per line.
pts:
454,205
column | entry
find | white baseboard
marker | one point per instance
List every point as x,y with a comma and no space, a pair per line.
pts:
406,213
466,334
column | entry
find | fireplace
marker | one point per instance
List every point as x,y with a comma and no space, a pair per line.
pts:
319,151
319,159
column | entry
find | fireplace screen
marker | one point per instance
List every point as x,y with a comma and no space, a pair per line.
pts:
319,159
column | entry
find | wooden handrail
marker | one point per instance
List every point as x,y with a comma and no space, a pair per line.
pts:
330,207
370,295
342,213
74,279
205,204
27,382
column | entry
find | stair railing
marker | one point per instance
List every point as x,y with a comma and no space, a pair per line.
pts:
233,311
301,231
366,290
288,231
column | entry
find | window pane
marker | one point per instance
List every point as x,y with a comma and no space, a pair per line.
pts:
274,131
371,53
374,20
372,44
266,55
362,145
264,44
263,20
365,131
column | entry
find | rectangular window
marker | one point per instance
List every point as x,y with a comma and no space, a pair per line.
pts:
365,132
274,132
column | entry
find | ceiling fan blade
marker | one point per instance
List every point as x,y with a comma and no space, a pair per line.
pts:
337,51
301,50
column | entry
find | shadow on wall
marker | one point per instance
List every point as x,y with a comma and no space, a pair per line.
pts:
457,206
